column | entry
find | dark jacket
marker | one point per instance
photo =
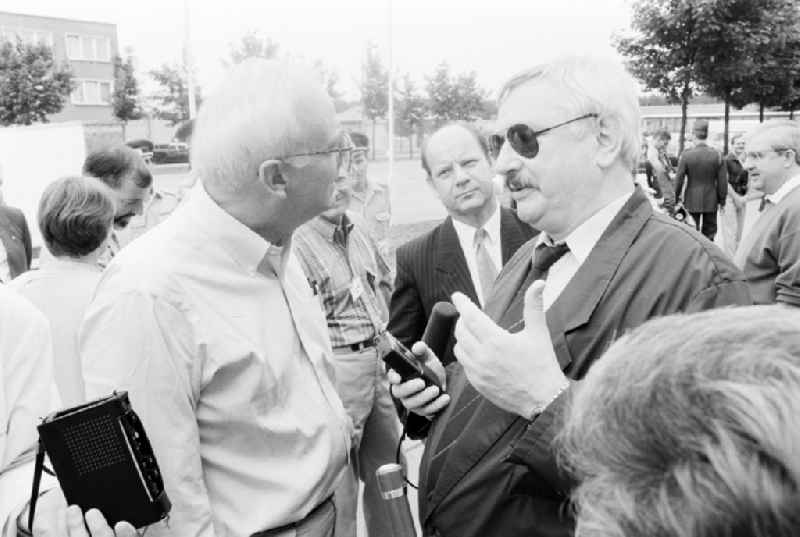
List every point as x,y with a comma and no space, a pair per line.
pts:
500,477
16,239
431,267
737,175
706,179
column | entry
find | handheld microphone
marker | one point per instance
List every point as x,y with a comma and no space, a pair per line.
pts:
392,487
440,328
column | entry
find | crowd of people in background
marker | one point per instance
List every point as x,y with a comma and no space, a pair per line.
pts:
609,374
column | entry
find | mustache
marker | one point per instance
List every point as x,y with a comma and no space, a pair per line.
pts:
514,181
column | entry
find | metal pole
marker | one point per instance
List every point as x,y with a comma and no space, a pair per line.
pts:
187,60
390,122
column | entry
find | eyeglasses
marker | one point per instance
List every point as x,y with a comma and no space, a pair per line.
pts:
344,149
523,139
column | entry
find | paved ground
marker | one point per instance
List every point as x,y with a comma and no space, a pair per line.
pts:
415,209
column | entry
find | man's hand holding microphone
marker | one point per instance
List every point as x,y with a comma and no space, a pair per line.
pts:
518,372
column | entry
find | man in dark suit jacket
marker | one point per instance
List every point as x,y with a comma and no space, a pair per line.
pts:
706,179
607,262
16,241
432,267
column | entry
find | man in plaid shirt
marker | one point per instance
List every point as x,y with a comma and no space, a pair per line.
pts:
354,283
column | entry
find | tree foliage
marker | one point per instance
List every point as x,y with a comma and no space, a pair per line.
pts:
375,85
172,102
253,45
411,107
454,97
125,100
32,86
737,50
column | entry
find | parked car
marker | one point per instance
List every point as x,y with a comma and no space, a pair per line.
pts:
172,152
144,146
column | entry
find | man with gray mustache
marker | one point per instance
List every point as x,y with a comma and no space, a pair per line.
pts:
566,137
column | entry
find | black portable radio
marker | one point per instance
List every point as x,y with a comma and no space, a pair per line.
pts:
103,459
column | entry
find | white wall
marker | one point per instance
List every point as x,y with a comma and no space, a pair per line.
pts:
32,157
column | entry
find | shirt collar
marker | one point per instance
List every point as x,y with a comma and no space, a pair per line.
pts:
584,237
784,190
329,229
243,244
68,263
466,232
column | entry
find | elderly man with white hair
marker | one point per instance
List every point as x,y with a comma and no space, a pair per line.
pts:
566,137
210,325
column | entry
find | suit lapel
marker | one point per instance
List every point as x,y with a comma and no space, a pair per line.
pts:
573,308
451,265
576,303
487,428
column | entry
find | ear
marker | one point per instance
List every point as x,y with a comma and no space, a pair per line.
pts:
609,141
271,176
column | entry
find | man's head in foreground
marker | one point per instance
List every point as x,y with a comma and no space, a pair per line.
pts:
688,427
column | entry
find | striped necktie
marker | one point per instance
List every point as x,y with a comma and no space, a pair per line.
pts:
487,271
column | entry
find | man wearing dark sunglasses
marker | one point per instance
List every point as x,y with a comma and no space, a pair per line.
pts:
566,138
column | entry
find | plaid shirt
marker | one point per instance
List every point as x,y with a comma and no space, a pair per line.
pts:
348,274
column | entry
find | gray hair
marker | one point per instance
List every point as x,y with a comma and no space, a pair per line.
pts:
75,216
264,109
782,134
590,85
688,427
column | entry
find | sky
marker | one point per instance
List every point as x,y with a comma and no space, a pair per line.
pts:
495,38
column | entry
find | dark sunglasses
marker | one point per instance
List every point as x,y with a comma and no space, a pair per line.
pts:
523,139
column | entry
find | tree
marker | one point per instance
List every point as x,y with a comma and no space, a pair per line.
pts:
777,59
667,47
252,45
125,99
172,103
330,80
374,89
453,98
410,111
32,86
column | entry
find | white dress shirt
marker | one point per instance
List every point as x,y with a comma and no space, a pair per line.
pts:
224,351
62,289
580,242
25,388
493,243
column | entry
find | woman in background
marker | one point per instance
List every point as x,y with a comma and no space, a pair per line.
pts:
75,218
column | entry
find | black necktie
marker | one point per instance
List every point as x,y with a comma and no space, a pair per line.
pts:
763,204
544,257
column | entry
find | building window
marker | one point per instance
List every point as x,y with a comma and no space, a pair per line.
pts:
92,92
88,48
27,35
